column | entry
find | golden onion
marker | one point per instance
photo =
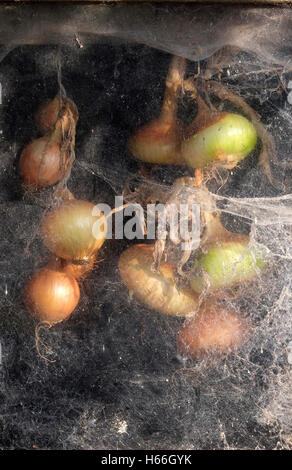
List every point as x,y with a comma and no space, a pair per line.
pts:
51,295
72,231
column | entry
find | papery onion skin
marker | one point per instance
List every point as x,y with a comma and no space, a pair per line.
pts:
67,230
227,264
49,115
157,142
214,331
51,295
157,290
42,164
78,269
226,141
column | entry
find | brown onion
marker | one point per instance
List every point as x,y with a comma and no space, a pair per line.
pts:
214,330
155,289
67,231
158,141
51,295
59,112
42,163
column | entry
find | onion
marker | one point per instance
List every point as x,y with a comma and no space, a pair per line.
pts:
227,264
213,331
59,112
226,139
51,295
42,163
67,231
159,140
155,289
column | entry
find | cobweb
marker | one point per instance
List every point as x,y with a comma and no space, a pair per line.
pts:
118,381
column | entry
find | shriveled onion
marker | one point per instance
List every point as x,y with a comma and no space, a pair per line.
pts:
58,112
215,330
227,264
225,139
42,163
69,230
51,295
155,289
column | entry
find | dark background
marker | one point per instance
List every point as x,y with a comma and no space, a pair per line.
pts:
116,362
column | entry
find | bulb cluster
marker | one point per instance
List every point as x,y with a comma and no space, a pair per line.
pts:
224,261
48,159
53,292
212,138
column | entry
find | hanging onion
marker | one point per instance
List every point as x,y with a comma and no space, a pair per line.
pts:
227,264
215,330
59,112
155,289
43,163
225,139
51,295
159,140
72,231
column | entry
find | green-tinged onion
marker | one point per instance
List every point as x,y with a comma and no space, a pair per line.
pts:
226,139
227,264
157,290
